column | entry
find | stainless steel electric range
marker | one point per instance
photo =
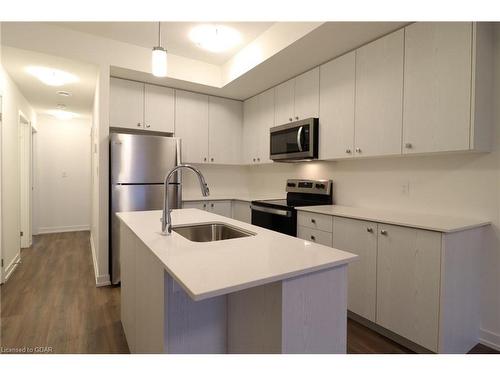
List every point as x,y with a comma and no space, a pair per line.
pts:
281,215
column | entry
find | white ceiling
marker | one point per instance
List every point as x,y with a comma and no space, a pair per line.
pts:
43,97
174,36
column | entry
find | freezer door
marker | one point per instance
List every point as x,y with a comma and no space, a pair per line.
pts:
134,198
137,158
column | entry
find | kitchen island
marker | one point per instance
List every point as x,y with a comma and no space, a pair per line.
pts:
262,293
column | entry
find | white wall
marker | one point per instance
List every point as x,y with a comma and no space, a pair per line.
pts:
13,103
63,175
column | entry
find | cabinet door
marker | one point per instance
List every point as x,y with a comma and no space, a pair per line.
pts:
359,237
437,93
225,124
408,281
222,208
314,235
200,205
242,211
307,95
266,121
159,103
379,96
336,120
250,130
284,102
126,104
191,125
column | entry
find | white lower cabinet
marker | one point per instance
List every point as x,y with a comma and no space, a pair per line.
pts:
242,211
359,237
408,282
315,235
222,208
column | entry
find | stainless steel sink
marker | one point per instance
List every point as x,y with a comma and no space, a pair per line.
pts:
211,232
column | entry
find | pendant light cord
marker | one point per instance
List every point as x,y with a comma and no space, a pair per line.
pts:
159,34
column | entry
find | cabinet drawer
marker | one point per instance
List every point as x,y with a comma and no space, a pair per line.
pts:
315,221
314,235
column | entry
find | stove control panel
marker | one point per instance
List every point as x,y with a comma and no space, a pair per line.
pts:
309,186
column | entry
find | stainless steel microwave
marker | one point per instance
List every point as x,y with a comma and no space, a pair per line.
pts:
295,141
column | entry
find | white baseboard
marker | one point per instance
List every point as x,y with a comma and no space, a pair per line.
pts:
100,280
11,267
490,339
70,228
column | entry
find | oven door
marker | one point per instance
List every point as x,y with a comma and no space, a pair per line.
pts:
294,141
279,220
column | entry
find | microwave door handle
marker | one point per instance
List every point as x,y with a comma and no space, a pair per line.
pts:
299,138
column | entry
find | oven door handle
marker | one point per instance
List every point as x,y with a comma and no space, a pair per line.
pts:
270,210
299,138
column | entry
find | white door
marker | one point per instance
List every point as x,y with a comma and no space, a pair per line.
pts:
379,96
159,108
191,125
284,97
359,237
266,121
408,281
222,208
336,119
225,124
307,95
250,130
437,91
126,104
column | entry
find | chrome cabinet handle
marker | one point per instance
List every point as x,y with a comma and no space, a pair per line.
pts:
258,159
383,232
313,221
204,205
313,238
408,145
348,151
290,119
369,230
299,143
296,117
212,159
254,160
212,205
139,124
148,126
358,150
204,159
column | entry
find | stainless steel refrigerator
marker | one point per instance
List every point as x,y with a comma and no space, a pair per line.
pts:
138,165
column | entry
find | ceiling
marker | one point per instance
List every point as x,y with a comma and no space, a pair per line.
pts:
43,97
174,36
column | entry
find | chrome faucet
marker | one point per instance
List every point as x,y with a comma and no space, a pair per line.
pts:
166,220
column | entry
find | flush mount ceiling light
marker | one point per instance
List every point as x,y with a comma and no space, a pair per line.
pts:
63,93
159,58
61,114
215,38
51,76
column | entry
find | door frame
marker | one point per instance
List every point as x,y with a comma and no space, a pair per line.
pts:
1,210
25,180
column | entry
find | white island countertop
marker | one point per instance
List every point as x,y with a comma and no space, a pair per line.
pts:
209,269
438,223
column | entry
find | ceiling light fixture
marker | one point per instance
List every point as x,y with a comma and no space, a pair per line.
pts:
51,76
63,93
215,38
159,58
61,114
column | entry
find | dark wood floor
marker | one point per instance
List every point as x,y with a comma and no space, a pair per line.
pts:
51,301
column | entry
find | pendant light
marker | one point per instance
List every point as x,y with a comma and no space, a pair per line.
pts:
159,58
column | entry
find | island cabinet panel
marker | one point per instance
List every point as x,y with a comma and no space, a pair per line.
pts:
194,327
408,283
359,237
127,275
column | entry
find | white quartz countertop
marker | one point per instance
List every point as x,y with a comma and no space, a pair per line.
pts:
228,197
209,269
445,224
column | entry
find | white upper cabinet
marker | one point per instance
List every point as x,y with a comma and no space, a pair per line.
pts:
159,108
258,118
379,96
126,104
284,102
442,110
191,125
297,98
225,123
307,95
336,118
